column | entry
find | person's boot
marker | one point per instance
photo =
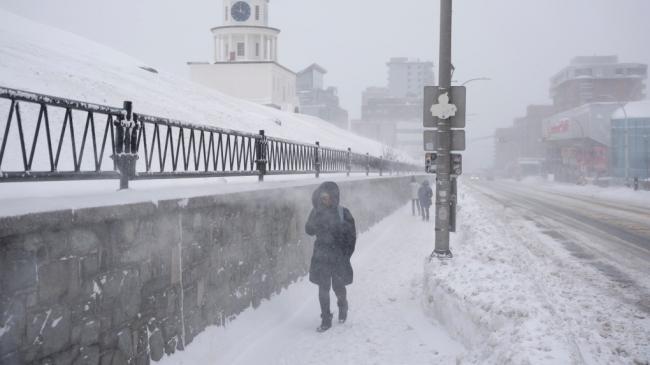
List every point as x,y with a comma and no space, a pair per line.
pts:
343,311
326,322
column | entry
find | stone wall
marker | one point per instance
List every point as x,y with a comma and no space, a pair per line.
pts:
127,284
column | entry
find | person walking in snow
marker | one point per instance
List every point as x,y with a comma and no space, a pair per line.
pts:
336,236
415,202
424,195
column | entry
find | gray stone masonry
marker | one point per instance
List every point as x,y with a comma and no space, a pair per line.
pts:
127,284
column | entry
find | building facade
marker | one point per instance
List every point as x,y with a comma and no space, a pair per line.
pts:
506,148
598,79
408,77
246,58
393,114
586,93
578,141
317,100
631,141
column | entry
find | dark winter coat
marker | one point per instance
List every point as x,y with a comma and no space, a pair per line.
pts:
336,237
424,195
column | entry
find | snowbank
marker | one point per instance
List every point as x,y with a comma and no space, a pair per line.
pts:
614,193
47,60
513,298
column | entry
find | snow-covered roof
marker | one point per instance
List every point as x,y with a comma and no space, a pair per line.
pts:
636,109
38,58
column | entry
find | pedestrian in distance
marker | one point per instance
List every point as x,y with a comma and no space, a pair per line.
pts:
415,202
424,195
336,236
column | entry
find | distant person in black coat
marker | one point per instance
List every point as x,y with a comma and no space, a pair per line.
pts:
424,195
336,236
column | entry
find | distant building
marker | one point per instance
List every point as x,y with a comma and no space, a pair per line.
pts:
408,77
631,128
520,149
246,58
393,114
586,93
506,151
316,100
379,106
529,131
578,141
598,79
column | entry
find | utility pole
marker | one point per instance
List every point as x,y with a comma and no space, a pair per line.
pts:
647,160
443,178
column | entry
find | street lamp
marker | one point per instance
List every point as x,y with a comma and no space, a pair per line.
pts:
646,137
474,79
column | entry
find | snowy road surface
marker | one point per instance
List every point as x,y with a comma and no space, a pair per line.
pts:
530,283
613,237
386,324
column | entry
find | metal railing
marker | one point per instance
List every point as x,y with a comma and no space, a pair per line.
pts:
131,146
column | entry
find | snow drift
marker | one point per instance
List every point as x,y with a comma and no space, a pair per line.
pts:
46,60
513,297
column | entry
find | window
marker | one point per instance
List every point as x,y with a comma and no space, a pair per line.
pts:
257,49
620,71
257,12
639,71
584,72
226,13
241,49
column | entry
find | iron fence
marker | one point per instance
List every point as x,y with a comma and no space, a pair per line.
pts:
131,146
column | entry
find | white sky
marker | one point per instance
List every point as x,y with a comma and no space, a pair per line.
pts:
517,43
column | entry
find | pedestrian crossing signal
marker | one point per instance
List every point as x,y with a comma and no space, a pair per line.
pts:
456,164
430,163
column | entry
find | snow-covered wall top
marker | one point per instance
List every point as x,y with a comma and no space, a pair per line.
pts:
47,60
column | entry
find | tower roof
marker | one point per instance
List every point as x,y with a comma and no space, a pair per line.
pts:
314,67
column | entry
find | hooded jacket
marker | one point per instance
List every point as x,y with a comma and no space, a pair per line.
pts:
336,237
425,194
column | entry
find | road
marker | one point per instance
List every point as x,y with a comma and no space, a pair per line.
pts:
611,236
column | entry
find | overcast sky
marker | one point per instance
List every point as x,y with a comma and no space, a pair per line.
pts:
520,44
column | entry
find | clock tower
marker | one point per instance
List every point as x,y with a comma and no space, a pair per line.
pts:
245,35
246,57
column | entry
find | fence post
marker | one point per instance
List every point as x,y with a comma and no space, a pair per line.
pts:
260,155
317,162
367,163
126,146
381,165
349,162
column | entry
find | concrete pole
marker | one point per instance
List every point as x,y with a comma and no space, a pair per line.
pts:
627,142
443,180
627,147
647,157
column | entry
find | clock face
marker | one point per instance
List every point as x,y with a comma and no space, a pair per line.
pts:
241,11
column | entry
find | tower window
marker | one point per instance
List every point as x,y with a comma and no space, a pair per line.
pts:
257,49
226,13
241,49
257,12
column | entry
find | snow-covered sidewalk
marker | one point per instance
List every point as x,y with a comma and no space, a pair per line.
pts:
386,325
